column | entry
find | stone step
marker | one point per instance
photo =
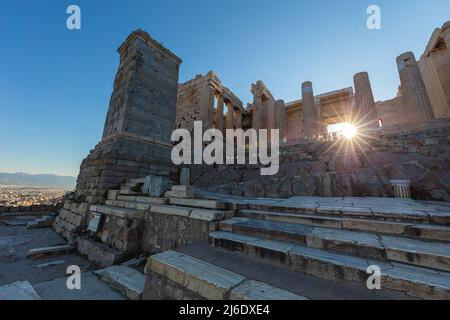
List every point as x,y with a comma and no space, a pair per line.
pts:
99,253
126,280
187,192
151,200
198,203
37,252
128,192
404,229
116,211
208,281
421,253
41,222
135,181
193,213
279,276
415,281
419,214
141,206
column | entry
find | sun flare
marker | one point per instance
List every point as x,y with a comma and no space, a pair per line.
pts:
346,129
349,131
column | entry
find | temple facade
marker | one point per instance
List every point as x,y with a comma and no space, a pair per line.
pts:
423,95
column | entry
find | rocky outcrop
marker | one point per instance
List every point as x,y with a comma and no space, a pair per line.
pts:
360,167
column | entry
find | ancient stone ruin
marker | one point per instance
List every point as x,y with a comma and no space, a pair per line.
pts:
330,209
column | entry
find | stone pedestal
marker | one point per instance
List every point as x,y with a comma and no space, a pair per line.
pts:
366,113
309,111
414,92
402,188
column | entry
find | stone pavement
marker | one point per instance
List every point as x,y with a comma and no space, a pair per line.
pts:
45,277
340,202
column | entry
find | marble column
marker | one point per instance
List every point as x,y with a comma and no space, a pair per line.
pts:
365,104
281,120
321,128
309,110
239,119
256,113
415,94
219,113
271,114
230,116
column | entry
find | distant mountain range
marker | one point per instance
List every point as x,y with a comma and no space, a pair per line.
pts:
38,180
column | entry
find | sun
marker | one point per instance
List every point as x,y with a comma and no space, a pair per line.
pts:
346,129
349,131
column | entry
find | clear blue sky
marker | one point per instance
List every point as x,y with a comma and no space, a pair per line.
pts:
55,84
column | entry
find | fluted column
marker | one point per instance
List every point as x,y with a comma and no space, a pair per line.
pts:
309,112
365,103
230,116
256,113
413,88
219,113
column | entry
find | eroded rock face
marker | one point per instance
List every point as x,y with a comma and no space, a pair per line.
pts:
327,169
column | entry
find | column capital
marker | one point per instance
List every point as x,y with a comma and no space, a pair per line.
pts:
307,87
360,75
446,26
406,59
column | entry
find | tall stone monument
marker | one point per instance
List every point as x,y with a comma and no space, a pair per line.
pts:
413,88
140,120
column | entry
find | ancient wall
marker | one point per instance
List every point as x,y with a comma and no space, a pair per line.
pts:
164,232
195,103
204,99
390,112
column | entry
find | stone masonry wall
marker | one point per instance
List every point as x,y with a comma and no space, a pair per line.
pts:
165,232
119,158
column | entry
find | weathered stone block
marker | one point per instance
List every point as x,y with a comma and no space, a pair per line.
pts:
155,186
